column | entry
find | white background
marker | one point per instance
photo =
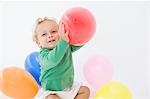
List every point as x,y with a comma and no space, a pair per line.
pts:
121,36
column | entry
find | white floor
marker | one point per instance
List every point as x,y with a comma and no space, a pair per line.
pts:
2,96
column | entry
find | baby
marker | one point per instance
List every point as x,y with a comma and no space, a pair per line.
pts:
57,71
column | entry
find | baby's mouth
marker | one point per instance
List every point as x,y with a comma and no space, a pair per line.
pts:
51,41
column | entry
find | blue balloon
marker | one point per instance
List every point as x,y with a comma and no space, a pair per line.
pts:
32,65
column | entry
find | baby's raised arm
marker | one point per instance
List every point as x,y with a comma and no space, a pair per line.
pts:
62,33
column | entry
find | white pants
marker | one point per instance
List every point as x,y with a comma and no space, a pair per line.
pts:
66,94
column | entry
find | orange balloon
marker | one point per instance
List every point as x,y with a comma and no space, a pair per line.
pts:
22,98
0,80
18,83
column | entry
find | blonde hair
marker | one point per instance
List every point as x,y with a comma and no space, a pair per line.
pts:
39,21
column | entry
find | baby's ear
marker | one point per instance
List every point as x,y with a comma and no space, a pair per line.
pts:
39,46
38,43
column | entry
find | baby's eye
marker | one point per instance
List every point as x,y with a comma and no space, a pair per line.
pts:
54,31
43,34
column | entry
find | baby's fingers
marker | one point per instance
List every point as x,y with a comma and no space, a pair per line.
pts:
62,28
67,33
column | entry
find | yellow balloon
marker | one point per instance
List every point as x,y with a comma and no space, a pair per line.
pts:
113,90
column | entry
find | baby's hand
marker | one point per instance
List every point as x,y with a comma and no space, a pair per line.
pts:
62,33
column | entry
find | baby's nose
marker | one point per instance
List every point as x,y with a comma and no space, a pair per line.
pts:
50,34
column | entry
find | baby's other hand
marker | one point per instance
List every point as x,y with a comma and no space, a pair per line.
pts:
62,33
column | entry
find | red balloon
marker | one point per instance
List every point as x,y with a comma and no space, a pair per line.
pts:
80,23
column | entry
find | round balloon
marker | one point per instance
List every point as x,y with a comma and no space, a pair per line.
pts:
32,66
0,80
80,23
113,90
98,71
18,83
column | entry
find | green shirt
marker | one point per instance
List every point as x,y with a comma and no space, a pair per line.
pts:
57,72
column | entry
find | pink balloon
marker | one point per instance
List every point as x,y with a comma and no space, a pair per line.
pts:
80,23
98,71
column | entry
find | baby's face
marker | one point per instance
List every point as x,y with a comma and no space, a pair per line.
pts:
47,34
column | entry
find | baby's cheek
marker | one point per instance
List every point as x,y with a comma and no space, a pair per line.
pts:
58,37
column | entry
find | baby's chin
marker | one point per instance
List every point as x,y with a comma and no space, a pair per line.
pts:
51,46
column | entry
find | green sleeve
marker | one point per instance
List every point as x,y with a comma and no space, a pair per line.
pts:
75,47
53,57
